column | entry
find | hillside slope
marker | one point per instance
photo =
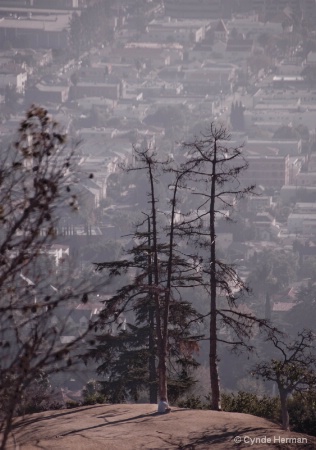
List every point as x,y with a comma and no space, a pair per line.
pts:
139,427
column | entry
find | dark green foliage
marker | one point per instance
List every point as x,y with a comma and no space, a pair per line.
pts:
91,394
302,407
72,404
285,132
271,272
124,364
158,346
293,369
167,116
302,411
103,249
37,396
303,313
247,403
183,381
125,356
193,402
241,402
309,74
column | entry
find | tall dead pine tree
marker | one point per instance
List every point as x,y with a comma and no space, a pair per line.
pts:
213,169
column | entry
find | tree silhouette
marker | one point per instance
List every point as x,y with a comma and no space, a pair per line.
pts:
212,169
293,369
35,179
160,284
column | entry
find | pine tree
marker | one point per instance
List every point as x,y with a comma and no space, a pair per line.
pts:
213,169
125,357
159,282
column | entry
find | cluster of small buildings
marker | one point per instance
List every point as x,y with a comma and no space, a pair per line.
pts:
200,56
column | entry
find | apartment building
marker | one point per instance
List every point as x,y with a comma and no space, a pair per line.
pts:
267,171
41,31
302,223
57,3
174,30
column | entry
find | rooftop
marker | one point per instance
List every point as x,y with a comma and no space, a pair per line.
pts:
178,23
306,216
34,11
283,306
221,27
46,22
46,88
154,46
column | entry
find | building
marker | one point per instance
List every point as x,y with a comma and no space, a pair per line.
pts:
174,30
153,54
278,147
220,31
281,98
239,46
43,94
293,193
311,59
193,9
268,171
58,4
57,253
13,77
305,207
259,203
63,4
107,90
49,31
300,223
264,226
306,179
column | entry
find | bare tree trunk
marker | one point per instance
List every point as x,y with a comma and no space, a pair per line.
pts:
214,377
215,389
161,338
151,322
167,298
284,411
163,385
8,420
7,430
152,358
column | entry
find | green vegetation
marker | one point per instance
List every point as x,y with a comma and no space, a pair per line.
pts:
302,407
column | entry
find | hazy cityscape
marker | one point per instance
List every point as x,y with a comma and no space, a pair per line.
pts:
158,209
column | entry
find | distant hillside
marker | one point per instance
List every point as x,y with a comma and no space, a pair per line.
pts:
139,427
